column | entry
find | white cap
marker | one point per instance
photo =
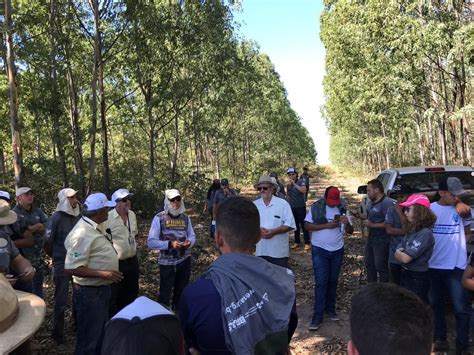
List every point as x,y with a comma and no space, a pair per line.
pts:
170,194
120,194
291,171
67,192
97,201
22,190
5,194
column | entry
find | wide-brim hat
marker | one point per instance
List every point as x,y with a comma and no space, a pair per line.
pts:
266,179
6,216
29,317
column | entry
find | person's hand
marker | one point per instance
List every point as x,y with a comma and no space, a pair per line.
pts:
186,244
367,223
266,233
27,274
344,220
40,227
463,210
174,244
333,224
111,275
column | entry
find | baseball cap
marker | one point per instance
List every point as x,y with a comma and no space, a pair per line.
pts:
225,182
172,193
453,185
291,171
67,192
416,199
22,190
97,201
5,195
334,196
120,194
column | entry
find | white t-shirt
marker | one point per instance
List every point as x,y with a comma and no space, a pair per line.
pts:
277,213
449,250
328,239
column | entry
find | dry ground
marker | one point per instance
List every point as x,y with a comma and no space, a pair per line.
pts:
331,338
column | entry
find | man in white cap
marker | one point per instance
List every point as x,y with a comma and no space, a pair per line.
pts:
172,234
57,229
35,220
122,224
276,220
93,262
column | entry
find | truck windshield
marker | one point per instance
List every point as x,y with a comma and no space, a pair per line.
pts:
429,181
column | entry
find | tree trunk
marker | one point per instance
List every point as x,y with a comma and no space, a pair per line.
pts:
95,74
55,97
175,151
103,121
12,87
420,138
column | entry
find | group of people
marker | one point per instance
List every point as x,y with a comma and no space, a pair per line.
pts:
246,300
421,246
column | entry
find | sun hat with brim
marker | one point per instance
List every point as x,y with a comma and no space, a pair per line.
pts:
416,199
171,194
6,216
22,190
265,180
5,195
453,185
334,196
120,194
21,315
97,201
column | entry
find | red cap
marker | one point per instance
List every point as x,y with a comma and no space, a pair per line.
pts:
334,196
418,200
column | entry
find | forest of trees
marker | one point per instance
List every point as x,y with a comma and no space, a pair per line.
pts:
97,94
399,82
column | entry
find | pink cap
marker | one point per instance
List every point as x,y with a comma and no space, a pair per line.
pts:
418,200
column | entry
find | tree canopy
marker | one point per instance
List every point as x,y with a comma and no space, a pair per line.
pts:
399,82
143,94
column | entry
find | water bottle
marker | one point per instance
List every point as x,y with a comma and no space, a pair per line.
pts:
343,226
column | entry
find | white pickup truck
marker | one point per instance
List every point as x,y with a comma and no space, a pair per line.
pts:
425,180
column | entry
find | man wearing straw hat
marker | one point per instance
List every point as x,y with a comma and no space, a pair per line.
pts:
276,220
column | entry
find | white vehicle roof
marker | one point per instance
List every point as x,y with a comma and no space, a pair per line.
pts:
422,169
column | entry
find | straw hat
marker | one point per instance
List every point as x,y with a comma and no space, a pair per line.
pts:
21,314
6,216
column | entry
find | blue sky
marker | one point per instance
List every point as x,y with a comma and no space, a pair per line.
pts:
288,31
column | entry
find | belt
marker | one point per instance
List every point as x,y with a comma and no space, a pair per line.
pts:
128,259
77,286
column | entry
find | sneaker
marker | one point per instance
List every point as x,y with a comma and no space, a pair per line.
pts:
441,345
307,248
295,246
314,326
334,317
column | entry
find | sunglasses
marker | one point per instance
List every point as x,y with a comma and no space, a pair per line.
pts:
126,199
262,188
177,198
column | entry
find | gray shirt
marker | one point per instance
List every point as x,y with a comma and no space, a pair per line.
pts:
294,196
220,196
8,251
419,246
393,219
57,228
376,212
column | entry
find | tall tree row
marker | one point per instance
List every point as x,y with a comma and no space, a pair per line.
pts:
399,82
143,94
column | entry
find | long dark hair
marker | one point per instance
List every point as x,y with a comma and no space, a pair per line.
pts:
423,218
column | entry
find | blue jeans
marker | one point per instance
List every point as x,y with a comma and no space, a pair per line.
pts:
326,267
299,213
445,282
173,279
92,308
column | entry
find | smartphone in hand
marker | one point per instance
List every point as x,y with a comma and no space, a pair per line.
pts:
337,217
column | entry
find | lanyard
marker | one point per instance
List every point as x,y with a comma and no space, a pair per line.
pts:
106,235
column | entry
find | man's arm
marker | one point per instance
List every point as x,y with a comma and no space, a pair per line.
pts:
468,278
23,267
402,257
370,224
84,271
311,227
467,232
270,233
153,240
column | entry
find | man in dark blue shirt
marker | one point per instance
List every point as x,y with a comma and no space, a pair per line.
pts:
254,298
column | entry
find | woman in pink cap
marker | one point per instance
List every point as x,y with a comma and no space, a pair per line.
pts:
416,248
